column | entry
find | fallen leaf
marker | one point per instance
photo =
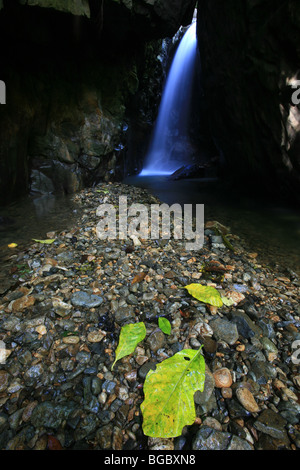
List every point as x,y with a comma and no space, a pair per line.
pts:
164,325
207,294
169,394
45,242
131,335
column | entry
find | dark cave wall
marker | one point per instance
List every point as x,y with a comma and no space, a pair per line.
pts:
72,71
249,52
79,73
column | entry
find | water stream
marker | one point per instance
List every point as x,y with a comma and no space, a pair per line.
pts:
172,126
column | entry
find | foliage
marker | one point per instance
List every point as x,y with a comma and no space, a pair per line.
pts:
206,294
169,394
12,245
164,325
130,336
48,241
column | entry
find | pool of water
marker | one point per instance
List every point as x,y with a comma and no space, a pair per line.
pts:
269,229
30,217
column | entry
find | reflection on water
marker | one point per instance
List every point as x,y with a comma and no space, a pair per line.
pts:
34,217
267,229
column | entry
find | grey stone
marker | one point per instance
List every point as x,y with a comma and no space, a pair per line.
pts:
271,423
263,371
246,327
86,300
156,340
51,415
143,371
224,330
268,345
237,443
210,439
202,397
86,426
124,315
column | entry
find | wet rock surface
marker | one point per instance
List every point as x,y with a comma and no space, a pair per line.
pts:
61,317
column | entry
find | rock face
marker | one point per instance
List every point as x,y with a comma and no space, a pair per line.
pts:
72,69
250,53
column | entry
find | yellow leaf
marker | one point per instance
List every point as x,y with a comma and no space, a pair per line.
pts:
12,245
206,294
169,394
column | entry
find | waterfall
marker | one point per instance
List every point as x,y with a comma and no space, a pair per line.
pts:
172,125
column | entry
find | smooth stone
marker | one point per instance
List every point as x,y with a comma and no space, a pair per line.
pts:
34,372
108,386
157,443
224,330
201,398
156,340
237,443
71,339
208,438
236,410
95,336
290,411
143,371
61,308
4,380
247,400
86,426
223,378
124,315
104,436
51,415
263,371
83,299
212,423
269,346
246,327
271,423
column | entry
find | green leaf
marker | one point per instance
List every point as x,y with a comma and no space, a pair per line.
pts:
49,241
206,294
169,394
130,336
164,325
104,191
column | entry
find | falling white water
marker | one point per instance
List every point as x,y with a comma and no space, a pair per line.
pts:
173,116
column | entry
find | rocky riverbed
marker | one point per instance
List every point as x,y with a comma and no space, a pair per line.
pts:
61,312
